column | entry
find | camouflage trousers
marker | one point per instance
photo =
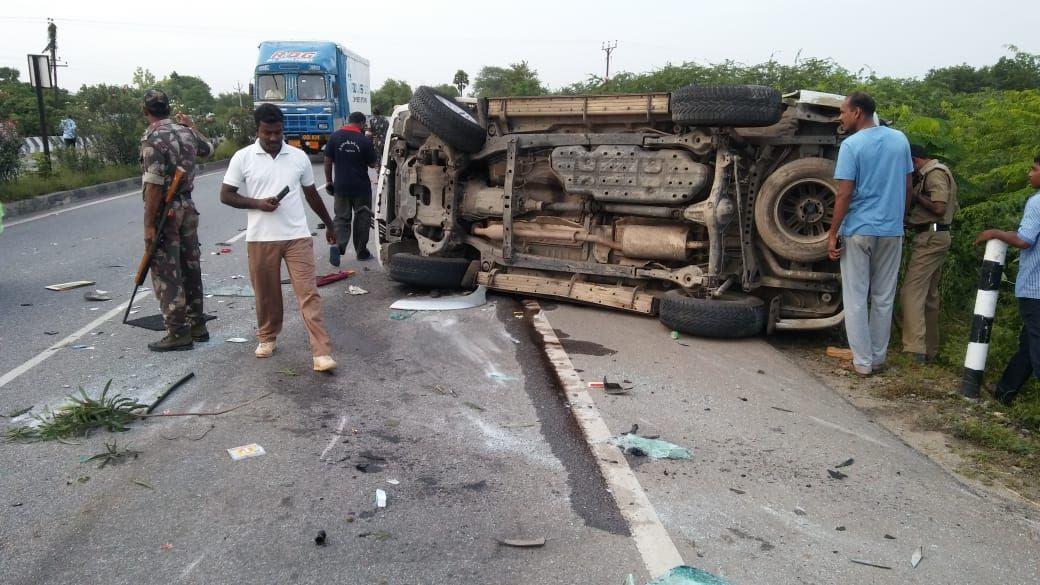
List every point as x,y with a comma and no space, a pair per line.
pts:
176,271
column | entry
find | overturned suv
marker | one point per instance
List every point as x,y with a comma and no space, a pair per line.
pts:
708,206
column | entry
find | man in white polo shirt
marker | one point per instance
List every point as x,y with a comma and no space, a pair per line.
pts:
278,230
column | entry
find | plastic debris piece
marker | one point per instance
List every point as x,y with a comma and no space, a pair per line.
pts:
380,498
393,482
869,563
246,451
81,346
356,290
595,384
915,559
836,474
523,542
799,511
334,277
233,291
320,538
237,340
675,335
845,463
655,448
889,537
97,295
225,250
401,315
69,285
739,492
685,575
476,298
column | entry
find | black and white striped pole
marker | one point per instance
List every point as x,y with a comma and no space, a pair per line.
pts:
982,322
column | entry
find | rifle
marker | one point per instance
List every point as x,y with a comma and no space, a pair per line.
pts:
146,261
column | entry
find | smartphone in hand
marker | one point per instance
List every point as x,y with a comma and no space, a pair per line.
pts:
281,194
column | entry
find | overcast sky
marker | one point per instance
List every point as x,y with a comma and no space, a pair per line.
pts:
103,42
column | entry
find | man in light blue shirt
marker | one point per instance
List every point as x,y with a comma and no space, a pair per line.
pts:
1026,360
68,132
874,173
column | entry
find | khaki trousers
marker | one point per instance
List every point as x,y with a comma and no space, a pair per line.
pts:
920,294
265,271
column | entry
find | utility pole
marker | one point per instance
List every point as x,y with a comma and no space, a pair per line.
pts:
238,88
39,67
608,48
52,46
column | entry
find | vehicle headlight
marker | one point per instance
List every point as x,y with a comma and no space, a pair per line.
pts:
323,126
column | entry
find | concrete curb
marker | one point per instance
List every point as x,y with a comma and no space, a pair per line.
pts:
62,198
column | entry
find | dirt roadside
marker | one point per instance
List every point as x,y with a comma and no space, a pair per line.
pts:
973,441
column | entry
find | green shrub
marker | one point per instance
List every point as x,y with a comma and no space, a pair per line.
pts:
10,143
225,150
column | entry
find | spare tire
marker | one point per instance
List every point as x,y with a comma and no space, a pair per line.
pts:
795,207
726,105
451,122
730,316
427,271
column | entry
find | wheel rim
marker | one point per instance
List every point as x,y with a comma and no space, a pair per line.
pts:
805,210
455,108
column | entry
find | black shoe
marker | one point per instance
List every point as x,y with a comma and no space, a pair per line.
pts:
363,254
334,255
919,358
1004,396
178,341
199,332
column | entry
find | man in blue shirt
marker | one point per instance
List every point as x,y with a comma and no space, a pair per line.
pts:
351,154
874,173
1026,360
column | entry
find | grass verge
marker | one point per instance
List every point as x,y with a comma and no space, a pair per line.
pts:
29,185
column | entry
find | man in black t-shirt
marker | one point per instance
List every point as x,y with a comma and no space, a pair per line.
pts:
351,153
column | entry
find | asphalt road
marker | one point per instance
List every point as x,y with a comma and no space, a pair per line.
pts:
459,418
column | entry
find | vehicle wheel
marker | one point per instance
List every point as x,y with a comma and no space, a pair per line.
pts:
427,271
447,119
726,105
795,207
731,316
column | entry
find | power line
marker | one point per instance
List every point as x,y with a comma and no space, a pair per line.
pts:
608,48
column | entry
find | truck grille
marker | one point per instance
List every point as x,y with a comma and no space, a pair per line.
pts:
307,123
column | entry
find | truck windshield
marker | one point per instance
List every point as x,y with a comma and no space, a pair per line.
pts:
311,87
271,87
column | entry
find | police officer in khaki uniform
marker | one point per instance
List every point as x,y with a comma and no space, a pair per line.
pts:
931,213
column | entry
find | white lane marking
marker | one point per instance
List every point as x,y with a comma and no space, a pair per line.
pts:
82,205
335,438
34,361
659,553
192,566
238,237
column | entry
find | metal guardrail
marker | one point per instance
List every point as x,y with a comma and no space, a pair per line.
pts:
34,144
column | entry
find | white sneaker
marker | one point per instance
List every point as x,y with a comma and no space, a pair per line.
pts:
324,363
265,349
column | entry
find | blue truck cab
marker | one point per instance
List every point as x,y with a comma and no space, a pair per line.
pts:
317,84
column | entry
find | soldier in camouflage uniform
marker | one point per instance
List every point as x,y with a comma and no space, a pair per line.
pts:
376,129
176,271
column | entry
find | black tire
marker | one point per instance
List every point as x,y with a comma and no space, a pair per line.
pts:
427,271
728,317
726,105
794,209
456,128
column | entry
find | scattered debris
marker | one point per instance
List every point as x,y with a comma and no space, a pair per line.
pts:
169,390
685,575
393,482
225,250
222,244
82,346
334,277
19,412
237,340
889,537
167,546
840,353
80,416
739,492
522,542
836,474
840,528
246,451
780,409
476,298
69,285
656,448
401,315
356,290
380,498
112,454
610,387
244,291
799,511
97,295
675,335
476,407
518,314
869,563
915,559
291,372
50,332
320,538
502,377
380,535
143,484
845,463
439,390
